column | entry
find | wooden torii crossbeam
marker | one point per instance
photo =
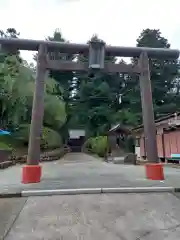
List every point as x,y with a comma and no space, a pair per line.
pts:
96,52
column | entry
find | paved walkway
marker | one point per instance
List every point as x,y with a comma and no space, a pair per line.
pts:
107,216
10,209
94,217
84,171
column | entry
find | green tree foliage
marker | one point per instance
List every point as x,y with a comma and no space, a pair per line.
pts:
64,82
50,139
163,72
97,98
97,145
63,78
109,98
94,102
10,33
94,106
17,83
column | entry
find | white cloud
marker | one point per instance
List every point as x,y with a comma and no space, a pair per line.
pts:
118,22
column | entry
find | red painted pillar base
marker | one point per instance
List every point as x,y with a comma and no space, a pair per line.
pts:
154,171
31,174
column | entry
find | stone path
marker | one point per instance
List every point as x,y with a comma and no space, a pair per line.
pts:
89,217
84,171
94,217
10,209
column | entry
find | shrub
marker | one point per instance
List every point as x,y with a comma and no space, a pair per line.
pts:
50,139
97,145
4,146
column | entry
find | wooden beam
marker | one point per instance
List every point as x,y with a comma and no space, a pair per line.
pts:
147,109
67,65
83,66
37,109
121,68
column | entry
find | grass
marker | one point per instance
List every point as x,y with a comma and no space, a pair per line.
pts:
4,146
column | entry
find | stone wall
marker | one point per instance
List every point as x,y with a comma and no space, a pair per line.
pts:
46,156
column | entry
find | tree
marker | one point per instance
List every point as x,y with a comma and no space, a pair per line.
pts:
97,98
94,106
121,93
17,84
64,80
10,33
163,72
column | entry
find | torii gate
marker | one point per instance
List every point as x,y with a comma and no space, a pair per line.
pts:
31,172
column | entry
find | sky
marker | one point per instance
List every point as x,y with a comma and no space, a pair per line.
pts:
117,22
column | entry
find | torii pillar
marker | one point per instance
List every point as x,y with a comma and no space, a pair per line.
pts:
31,173
154,170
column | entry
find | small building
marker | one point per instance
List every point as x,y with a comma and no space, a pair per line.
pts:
167,137
76,139
116,136
121,145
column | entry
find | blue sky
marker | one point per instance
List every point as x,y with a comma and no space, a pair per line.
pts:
80,19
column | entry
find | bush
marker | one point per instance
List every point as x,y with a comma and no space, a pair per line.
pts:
4,146
50,139
97,145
